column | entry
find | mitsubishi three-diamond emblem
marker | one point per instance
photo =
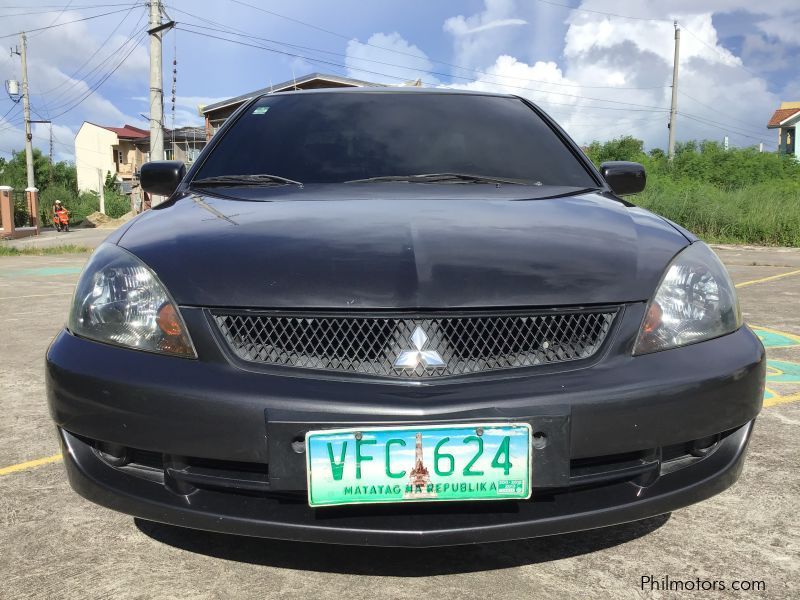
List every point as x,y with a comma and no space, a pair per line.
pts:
410,359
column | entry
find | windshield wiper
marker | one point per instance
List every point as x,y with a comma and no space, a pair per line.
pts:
245,180
445,178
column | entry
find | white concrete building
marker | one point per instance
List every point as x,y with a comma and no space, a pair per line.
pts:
100,150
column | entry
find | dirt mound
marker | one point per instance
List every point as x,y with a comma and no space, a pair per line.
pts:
98,219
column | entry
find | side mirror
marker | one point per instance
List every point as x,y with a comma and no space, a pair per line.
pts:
161,177
624,177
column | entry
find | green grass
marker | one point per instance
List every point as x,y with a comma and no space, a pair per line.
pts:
46,251
738,195
765,214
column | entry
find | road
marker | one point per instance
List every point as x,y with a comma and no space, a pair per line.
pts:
57,545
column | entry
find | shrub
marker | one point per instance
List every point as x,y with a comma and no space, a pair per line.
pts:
48,198
739,195
117,204
85,204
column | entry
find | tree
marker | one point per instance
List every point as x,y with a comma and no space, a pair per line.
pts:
110,184
13,172
624,148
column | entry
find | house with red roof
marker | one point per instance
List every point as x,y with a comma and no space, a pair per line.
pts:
121,151
100,150
785,120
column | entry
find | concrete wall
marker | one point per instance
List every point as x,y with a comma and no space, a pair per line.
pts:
93,151
133,157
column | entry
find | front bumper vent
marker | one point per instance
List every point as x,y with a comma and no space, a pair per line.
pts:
415,348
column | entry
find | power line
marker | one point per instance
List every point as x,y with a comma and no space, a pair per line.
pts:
113,12
724,128
582,107
656,20
718,112
723,125
102,81
86,78
57,7
8,122
599,12
61,10
136,30
739,65
8,112
58,16
70,77
327,62
645,108
417,56
430,72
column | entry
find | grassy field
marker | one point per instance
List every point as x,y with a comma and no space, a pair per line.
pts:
727,196
762,214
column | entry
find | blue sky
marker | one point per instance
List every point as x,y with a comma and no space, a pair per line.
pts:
601,76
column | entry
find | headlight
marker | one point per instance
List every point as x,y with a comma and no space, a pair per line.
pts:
120,301
695,301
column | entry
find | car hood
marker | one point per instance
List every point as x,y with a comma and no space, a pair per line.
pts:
403,246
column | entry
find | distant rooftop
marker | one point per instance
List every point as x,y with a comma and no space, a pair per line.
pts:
297,83
787,111
127,131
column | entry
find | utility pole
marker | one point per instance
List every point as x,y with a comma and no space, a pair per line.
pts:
26,111
51,154
673,109
102,187
156,84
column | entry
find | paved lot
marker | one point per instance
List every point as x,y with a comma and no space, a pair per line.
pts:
56,545
80,236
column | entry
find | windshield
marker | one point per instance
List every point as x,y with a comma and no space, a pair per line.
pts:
338,137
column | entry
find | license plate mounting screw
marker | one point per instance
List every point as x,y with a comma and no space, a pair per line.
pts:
358,435
479,431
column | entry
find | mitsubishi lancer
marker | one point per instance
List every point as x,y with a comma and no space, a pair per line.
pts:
401,318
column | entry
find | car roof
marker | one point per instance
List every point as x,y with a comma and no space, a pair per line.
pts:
391,90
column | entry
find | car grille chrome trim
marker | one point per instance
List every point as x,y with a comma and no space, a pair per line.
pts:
371,344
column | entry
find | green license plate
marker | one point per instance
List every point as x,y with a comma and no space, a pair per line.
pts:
429,463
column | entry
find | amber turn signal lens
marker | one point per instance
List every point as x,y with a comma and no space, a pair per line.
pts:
168,320
653,319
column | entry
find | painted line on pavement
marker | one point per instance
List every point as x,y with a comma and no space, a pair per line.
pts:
791,337
31,464
36,296
776,400
764,279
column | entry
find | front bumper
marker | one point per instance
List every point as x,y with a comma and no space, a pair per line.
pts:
288,518
208,445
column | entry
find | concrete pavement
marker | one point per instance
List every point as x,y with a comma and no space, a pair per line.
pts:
48,238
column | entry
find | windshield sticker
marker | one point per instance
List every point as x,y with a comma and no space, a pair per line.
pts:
261,110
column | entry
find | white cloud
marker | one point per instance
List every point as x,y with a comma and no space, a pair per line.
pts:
59,79
408,62
187,109
601,52
484,34
785,28
458,25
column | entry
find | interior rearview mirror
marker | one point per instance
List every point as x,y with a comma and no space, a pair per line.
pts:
624,177
161,177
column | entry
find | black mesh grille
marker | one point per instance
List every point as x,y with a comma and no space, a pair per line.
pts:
371,345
